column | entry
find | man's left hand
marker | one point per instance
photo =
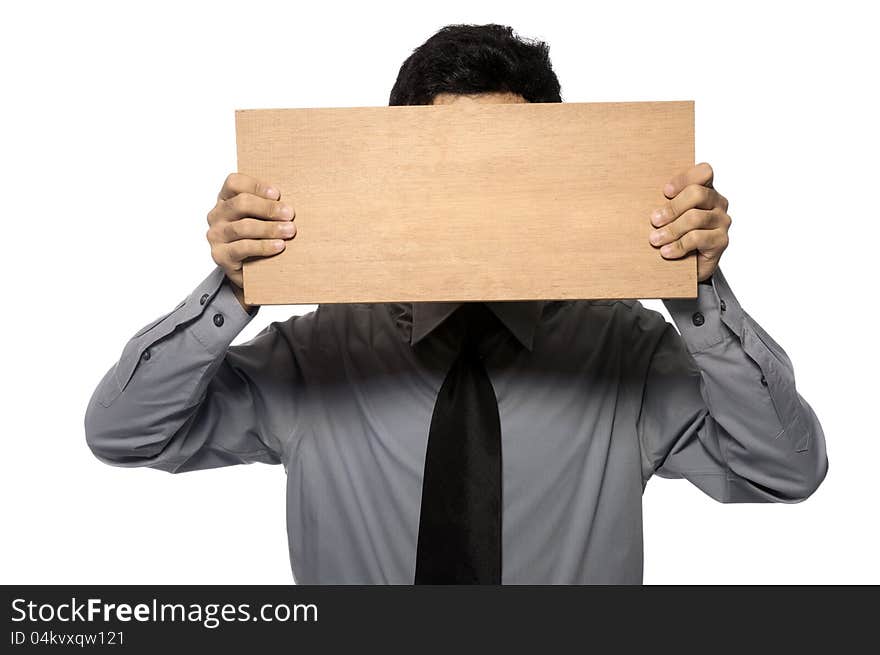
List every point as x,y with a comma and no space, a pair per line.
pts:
694,218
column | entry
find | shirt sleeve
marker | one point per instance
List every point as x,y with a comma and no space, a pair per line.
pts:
181,398
721,409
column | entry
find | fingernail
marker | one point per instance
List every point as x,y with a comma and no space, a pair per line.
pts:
656,236
287,229
657,216
668,190
278,245
285,212
273,193
666,250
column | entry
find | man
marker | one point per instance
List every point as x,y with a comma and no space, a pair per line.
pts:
482,443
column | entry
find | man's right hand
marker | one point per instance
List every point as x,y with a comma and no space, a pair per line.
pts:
248,221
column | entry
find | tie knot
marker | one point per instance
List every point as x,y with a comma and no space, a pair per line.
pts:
477,322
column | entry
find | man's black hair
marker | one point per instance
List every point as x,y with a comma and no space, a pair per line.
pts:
468,59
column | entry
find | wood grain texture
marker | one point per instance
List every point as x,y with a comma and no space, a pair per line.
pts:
475,202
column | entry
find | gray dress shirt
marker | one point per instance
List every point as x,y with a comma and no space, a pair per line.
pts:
595,397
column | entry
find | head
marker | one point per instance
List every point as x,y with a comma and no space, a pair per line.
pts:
476,63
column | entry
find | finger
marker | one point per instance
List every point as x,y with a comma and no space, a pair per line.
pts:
693,219
705,241
693,196
251,228
238,251
247,205
236,277
236,183
701,174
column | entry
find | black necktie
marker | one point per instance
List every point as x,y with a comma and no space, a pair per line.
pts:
460,521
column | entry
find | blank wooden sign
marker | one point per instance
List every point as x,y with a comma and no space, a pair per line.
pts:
476,202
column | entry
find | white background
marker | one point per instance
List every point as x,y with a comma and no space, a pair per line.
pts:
117,131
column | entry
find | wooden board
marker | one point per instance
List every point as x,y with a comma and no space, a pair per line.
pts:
476,202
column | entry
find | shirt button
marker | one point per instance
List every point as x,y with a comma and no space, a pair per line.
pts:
146,356
698,319
723,305
218,319
203,299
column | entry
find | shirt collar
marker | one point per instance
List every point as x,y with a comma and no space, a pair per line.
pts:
518,316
